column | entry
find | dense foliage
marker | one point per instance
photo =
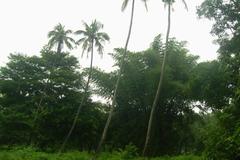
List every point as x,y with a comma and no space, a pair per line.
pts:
39,96
197,112
136,92
223,140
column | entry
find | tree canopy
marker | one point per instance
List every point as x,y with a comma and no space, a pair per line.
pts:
197,111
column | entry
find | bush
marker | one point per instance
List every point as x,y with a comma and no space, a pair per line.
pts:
129,152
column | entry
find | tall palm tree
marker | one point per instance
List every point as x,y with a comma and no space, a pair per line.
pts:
168,3
124,5
91,37
59,36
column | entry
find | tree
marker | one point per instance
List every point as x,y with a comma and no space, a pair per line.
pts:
124,5
169,4
91,37
140,74
226,27
23,82
225,144
59,36
209,78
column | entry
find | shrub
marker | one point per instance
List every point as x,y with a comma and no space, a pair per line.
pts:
129,152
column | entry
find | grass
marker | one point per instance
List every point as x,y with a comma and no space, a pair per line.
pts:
31,154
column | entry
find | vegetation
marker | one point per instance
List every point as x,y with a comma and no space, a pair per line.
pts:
122,63
92,37
157,95
59,37
32,154
196,117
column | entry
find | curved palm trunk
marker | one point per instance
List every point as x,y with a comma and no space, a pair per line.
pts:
159,85
116,86
80,106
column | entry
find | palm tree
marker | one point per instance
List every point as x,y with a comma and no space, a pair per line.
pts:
169,4
59,36
124,5
91,37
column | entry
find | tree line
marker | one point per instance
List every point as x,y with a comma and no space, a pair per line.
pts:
45,100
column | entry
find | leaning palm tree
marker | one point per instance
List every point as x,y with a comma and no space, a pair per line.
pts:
90,37
168,3
124,5
59,36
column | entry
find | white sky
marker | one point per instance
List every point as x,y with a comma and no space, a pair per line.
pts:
24,25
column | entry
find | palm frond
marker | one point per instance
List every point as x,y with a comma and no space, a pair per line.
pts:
69,45
79,32
99,47
59,27
81,40
51,33
185,4
145,3
51,43
70,39
97,25
103,35
124,4
86,26
68,31
89,49
84,47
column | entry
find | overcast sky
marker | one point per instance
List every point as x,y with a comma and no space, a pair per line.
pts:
25,24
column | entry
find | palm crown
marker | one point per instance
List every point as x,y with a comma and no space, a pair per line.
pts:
92,37
59,36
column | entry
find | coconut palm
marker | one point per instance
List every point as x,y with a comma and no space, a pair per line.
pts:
59,36
168,3
124,5
91,37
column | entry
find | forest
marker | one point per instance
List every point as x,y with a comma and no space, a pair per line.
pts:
160,103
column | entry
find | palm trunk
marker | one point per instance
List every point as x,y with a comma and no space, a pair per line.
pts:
81,104
59,47
116,87
159,85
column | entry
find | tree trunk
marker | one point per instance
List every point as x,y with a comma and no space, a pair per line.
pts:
116,87
159,85
35,119
59,47
81,104
39,105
